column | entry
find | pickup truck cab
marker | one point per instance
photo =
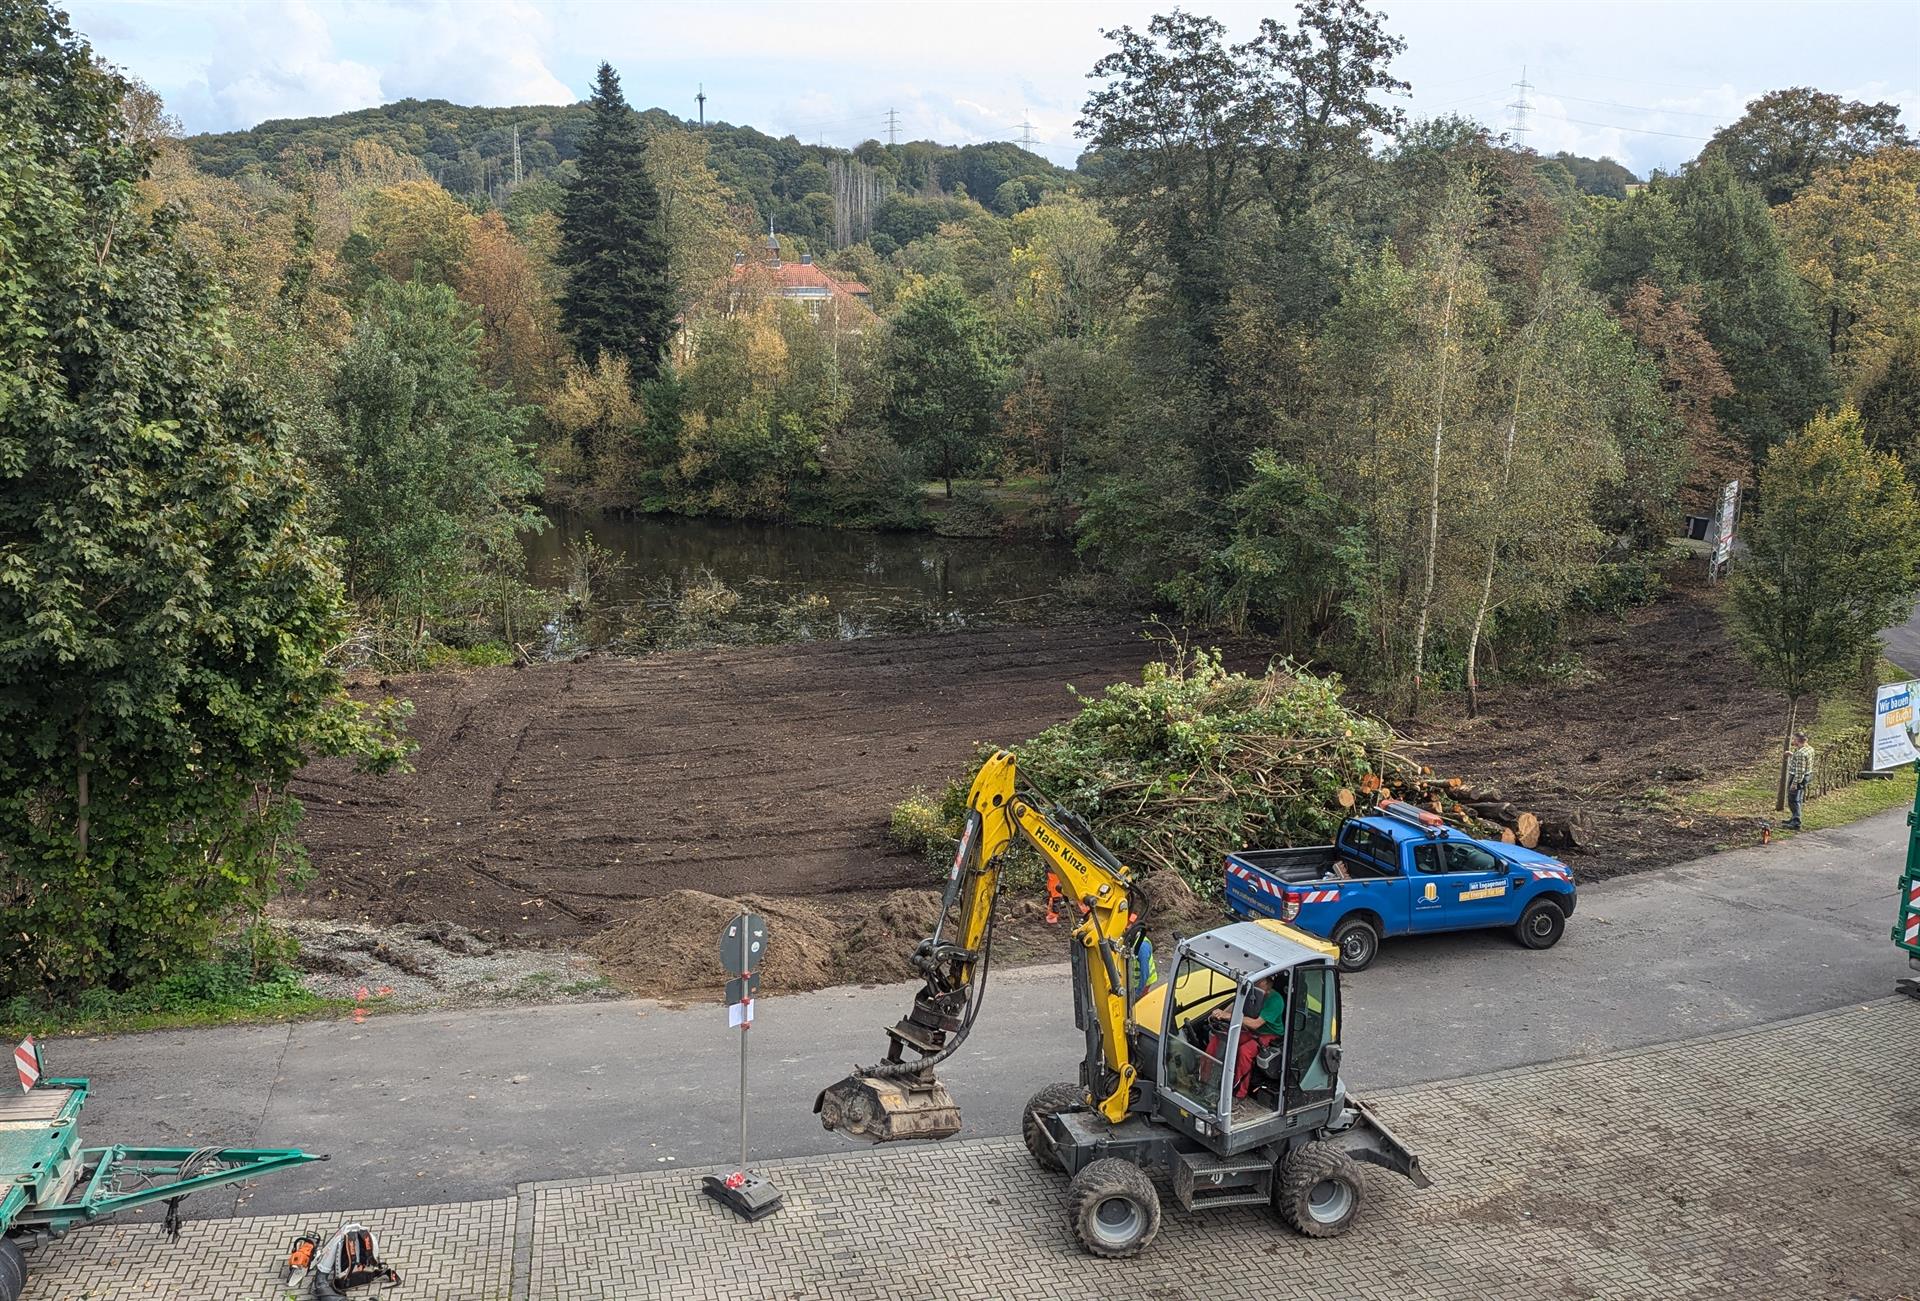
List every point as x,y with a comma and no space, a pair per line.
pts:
1403,871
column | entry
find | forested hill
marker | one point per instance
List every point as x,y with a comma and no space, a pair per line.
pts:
469,150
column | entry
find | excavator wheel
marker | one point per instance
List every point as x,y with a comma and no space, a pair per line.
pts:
1113,1208
13,1270
1319,1191
1050,1101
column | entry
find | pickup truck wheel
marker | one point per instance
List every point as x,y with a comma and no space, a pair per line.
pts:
1050,1101
1359,943
13,1270
1319,1192
1541,925
1113,1208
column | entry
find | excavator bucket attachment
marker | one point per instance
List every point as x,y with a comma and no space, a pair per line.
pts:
883,1109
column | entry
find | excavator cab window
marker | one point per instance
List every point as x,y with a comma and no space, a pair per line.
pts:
1191,1071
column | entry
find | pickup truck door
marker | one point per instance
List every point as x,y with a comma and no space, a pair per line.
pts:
1457,886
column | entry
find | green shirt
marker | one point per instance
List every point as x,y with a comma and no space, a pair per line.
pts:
1273,1013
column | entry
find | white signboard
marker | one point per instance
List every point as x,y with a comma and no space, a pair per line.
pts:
1723,525
1896,725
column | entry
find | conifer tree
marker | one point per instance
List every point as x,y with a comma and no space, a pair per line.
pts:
618,297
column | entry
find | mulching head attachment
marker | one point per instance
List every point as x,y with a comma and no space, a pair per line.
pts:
884,1109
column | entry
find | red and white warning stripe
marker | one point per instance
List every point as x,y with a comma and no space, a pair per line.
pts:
1257,880
1319,896
26,1060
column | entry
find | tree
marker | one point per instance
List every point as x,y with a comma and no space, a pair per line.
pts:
418,231
695,221
1693,379
166,610
1710,229
1190,135
1854,236
1890,400
436,480
619,291
519,343
944,370
1787,136
1833,556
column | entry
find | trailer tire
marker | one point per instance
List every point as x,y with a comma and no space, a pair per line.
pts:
1113,1208
1359,943
13,1270
1320,1190
1051,1100
1541,925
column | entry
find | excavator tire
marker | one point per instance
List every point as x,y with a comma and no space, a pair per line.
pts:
1050,1101
1319,1191
13,1270
1113,1208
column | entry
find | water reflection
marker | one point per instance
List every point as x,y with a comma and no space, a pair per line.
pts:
680,580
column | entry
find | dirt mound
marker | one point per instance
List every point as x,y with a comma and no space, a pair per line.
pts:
1168,905
672,948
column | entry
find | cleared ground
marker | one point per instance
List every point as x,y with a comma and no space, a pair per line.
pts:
546,804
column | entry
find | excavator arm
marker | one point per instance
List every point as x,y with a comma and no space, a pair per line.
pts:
900,1097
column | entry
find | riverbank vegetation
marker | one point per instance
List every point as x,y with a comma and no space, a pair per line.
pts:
1399,391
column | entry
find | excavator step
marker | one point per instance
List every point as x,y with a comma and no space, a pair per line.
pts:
1202,1180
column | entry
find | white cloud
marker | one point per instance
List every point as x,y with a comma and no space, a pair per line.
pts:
273,60
474,53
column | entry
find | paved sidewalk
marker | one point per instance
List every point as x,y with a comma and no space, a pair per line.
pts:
1777,1162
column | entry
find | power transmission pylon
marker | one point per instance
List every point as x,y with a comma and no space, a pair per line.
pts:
893,126
516,154
1521,106
1026,132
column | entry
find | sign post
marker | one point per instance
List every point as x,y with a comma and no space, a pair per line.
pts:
1896,743
742,947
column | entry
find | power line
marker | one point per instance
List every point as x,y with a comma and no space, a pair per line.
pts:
1640,108
1630,130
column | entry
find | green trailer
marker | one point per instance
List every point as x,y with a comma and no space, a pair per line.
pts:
50,1183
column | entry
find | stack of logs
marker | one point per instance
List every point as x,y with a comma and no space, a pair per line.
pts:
1480,813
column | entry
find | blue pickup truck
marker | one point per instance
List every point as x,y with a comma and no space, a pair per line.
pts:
1403,871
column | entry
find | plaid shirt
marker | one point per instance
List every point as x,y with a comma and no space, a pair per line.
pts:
1800,764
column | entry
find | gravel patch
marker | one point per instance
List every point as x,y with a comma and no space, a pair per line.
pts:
438,964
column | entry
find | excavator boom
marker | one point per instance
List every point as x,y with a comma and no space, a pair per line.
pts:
900,1098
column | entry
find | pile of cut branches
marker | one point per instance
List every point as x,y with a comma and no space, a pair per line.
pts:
1195,761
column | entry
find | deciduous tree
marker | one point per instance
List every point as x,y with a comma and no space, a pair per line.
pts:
1786,137
166,611
944,369
1833,556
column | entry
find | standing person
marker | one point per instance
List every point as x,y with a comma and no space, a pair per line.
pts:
1799,774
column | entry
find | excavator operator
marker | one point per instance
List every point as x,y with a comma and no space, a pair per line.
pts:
1265,1021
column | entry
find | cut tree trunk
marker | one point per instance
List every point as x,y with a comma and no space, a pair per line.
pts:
1526,829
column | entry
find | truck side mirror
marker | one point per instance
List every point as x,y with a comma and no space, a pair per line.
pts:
1330,1058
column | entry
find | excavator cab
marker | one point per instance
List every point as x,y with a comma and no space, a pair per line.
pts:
1234,1086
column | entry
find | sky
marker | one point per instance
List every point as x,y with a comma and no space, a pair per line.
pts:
1643,83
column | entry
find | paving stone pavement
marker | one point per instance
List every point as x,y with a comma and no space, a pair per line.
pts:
1778,1162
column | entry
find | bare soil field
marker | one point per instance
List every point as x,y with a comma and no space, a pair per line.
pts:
550,801
1661,703
625,799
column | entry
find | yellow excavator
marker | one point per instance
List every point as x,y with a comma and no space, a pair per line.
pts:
1226,1074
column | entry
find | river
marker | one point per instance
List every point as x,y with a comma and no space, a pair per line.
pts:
673,580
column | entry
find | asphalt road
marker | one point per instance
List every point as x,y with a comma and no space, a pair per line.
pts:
464,1105
1903,643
